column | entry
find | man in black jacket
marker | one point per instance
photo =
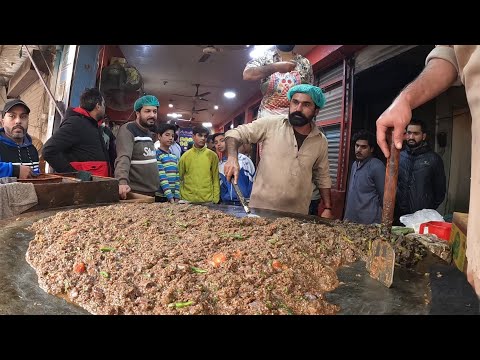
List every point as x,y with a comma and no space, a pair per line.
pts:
78,144
421,175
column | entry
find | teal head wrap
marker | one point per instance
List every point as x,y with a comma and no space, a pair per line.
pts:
147,100
313,91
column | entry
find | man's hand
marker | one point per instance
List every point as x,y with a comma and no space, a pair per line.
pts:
123,190
327,213
232,168
26,172
398,116
284,66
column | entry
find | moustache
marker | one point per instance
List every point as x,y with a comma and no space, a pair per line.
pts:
298,114
18,127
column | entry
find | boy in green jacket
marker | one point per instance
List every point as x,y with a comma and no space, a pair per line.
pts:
198,168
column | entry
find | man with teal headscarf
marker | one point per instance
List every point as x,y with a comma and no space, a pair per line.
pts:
295,152
136,163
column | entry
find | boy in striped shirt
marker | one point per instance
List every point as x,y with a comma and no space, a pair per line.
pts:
167,166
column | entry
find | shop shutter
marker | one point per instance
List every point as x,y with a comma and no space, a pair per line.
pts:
332,134
375,54
329,76
331,82
333,105
332,85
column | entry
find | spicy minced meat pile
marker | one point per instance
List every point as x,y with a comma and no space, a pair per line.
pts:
185,259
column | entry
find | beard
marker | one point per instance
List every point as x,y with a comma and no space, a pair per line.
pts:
17,135
145,124
358,156
412,144
298,119
100,116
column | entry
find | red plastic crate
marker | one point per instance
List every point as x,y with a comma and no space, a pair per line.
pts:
440,228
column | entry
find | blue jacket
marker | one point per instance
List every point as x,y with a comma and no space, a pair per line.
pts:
13,155
245,179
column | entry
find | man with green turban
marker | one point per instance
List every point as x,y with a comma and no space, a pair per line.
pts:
295,153
136,163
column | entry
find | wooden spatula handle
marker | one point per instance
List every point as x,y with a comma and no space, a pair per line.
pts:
391,178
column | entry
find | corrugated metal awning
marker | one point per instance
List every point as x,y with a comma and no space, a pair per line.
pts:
375,54
11,58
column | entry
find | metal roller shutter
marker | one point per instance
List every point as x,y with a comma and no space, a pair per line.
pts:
333,105
330,75
331,81
375,54
332,134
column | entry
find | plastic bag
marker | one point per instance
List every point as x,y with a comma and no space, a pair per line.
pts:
419,217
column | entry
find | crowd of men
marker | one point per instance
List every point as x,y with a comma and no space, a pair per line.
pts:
146,159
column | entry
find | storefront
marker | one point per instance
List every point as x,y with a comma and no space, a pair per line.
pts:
360,82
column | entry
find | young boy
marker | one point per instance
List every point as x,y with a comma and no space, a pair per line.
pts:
198,168
167,166
245,176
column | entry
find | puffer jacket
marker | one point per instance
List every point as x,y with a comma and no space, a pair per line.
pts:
421,180
78,144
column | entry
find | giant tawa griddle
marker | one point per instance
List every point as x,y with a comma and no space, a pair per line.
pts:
432,287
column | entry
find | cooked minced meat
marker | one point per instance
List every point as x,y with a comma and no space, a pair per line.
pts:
184,259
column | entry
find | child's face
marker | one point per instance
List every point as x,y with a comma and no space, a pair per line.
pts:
220,143
199,140
166,139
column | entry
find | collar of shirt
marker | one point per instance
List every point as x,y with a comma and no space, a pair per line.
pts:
314,129
360,164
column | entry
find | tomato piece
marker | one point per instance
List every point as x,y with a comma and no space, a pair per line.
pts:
79,268
218,259
277,265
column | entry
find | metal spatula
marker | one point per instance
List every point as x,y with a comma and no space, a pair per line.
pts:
243,201
381,262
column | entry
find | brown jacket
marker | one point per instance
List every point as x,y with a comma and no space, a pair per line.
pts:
284,177
136,163
466,59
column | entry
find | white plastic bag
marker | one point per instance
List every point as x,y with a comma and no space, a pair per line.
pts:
419,217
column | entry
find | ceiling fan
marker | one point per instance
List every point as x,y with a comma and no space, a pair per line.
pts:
197,96
209,50
193,110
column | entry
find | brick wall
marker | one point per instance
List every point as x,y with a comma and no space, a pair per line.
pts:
37,98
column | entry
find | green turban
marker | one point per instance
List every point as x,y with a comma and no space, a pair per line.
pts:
314,91
147,100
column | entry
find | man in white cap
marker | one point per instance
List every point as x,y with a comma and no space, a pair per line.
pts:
295,153
136,163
